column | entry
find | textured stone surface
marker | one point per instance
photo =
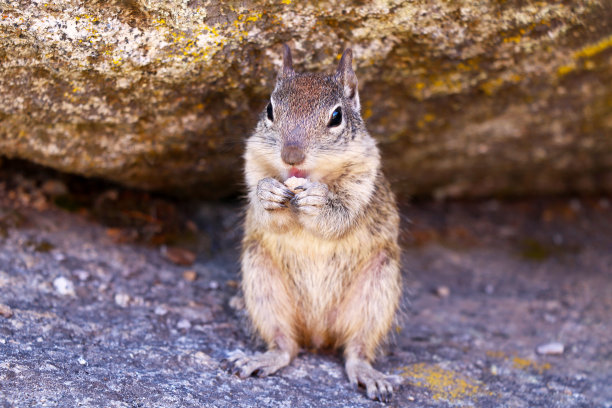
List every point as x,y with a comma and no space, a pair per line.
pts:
137,330
469,98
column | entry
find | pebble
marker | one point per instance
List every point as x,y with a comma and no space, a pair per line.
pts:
81,274
237,302
190,275
58,256
179,256
63,286
214,285
122,299
183,324
82,361
54,188
551,348
161,310
443,291
5,311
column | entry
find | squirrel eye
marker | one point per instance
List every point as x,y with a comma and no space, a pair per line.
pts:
336,118
270,113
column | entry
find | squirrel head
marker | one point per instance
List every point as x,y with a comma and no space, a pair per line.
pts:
312,115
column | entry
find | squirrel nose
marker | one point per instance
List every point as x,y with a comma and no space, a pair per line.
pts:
292,154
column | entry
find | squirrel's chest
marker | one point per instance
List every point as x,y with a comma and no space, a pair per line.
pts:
307,255
318,271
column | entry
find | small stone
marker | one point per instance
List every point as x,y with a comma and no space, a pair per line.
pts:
122,299
232,283
190,275
550,318
553,348
489,289
6,311
81,274
82,361
184,324
552,305
161,310
63,286
179,256
58,256
54,188
443,291
213,285
575,205
191,226
237,302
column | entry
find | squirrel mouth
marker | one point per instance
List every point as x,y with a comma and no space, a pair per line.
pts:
295,172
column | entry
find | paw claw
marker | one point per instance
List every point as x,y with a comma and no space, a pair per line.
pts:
376,384
261,365
310,200
273,194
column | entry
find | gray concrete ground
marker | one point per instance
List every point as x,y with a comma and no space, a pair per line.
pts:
100,311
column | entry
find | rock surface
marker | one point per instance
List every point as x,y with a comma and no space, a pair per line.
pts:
467,99
138,331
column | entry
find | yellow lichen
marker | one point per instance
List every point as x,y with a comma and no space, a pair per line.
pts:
566,69
525,364
429,117
519,362
594,49
515,39
489,87
496,354
444,384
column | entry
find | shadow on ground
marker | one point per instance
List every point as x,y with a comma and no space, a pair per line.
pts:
103,304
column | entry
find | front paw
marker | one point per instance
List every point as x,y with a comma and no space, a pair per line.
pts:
311,200
273,194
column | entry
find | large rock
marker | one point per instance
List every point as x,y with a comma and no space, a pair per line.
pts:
477,98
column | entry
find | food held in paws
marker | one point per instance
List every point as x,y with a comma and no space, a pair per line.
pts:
294,182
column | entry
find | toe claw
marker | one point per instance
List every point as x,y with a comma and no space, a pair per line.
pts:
379,396
386,396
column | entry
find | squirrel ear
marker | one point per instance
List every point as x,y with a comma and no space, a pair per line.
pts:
346,76
287,69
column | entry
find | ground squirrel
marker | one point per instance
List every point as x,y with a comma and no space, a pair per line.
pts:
320,261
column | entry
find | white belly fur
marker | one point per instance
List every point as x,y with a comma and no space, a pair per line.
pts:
318,272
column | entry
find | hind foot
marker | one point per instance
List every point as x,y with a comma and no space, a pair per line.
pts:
376,384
